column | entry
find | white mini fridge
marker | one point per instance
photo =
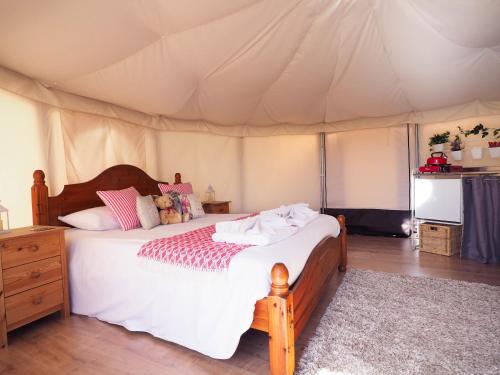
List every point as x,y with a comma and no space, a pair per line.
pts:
438,198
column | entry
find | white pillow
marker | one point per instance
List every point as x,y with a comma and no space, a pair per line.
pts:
196,206
147,212
98,218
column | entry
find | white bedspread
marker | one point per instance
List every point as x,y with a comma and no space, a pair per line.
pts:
204,311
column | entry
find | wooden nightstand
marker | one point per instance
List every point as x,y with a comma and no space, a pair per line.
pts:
216,207
33,273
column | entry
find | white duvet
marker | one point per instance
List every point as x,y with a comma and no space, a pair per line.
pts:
204,311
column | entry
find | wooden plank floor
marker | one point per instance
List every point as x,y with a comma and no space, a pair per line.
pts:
82,345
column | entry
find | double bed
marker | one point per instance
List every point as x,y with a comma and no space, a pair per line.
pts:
204,311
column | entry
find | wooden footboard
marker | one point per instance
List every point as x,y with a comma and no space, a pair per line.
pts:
286,311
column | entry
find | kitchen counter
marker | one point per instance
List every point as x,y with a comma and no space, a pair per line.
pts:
456,174
466,172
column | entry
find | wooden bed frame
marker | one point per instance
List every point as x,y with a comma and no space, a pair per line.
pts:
283,314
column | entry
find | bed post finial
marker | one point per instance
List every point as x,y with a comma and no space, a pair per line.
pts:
178,179
343,243
39,199
341,220
38,177
279,277
281,324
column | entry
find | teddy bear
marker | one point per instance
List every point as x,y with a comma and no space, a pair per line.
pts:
187,213
180,203
174,208
168,214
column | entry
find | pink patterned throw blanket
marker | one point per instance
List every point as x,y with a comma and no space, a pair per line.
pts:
194,250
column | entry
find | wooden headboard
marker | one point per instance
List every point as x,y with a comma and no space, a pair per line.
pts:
77,197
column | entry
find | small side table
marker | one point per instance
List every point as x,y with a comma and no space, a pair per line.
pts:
33,276
216,207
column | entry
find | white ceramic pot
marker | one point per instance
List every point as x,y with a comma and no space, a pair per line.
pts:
457,155
438,147
476,152
473,138
494,152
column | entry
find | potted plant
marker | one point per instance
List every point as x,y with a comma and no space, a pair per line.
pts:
494,149
456,148
437,141
483,132
473,135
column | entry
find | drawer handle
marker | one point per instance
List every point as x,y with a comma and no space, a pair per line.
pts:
32,248
35,274
37,300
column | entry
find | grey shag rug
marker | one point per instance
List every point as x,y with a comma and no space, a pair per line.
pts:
380,323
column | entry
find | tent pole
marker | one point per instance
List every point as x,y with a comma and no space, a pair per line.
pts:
413,221
408,164
322,172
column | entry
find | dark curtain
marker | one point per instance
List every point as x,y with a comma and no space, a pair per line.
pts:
481,237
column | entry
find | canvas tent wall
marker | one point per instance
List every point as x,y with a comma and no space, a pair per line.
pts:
248,171
139,78
254,172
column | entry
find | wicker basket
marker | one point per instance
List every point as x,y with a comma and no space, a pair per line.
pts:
440,239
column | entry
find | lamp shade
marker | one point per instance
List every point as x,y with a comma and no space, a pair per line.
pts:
4,219
210,194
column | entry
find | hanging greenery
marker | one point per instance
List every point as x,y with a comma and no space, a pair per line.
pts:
482,130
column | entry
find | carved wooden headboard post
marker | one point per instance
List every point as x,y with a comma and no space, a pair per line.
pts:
178,179
40,199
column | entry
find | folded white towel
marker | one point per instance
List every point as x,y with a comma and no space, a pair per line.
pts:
284,211
265,238
298,214
272,220
236,226
244,225
301,215
266,228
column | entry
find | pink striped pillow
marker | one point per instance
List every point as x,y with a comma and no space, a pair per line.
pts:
123,205
185,188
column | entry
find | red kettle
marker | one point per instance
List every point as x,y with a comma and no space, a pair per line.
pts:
437,158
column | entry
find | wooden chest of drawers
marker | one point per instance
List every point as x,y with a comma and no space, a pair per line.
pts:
33,275
216,207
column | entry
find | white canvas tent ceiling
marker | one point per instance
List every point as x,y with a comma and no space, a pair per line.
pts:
276,66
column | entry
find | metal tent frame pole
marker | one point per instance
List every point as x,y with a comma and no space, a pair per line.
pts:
322,171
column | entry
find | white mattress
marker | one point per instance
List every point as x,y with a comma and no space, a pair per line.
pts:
204,311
